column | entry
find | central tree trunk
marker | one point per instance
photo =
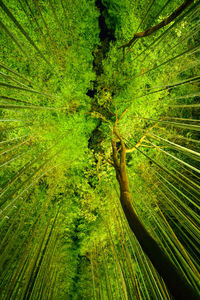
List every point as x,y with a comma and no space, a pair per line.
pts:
175,281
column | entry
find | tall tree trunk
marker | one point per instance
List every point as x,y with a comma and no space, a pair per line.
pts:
174,280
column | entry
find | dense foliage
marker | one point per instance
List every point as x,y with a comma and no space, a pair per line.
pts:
63,85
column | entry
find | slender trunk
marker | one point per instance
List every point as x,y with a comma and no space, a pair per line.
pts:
118,264
128,259
24,257
93,277
36,269
107,276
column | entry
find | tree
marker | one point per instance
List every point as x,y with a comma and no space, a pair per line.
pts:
64,84
175,282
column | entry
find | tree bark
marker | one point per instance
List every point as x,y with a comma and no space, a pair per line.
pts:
175,281
162,24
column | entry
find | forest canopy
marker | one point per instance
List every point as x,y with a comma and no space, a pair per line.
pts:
100,150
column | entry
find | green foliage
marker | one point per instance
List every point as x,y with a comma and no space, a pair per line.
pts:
63,232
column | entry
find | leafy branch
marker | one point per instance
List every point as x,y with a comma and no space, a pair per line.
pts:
158,26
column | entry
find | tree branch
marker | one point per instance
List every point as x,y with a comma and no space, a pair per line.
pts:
97,115
162,24
142,138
